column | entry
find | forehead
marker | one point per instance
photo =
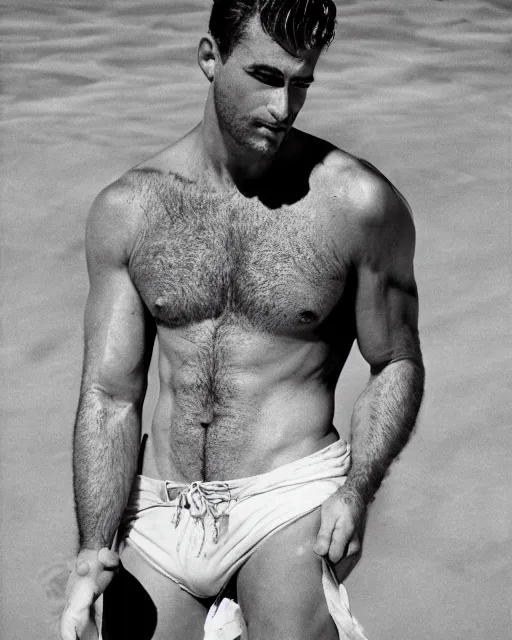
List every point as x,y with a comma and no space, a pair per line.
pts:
257,47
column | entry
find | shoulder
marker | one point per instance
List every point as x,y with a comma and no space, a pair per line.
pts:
122,207
365,206
119,211
363,190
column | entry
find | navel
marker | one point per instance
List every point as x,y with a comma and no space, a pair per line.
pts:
207,417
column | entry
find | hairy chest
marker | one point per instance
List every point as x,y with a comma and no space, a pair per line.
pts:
199,258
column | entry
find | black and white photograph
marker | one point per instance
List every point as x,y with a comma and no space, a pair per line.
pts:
256,267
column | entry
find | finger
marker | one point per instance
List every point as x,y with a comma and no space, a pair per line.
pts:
98,611
67,627
78,624
340,539
323,539
71,627
90,631
108,558
82,568
93,634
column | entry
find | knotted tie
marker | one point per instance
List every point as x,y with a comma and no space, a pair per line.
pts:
202,498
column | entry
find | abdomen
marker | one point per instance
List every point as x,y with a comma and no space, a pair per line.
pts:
236,402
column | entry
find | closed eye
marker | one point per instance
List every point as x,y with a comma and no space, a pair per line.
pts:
274,77
267,78
301,85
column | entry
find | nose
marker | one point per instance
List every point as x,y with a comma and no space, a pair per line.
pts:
279,105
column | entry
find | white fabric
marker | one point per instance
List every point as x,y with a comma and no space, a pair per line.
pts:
198,535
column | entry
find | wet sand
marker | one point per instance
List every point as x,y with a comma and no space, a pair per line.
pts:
420,89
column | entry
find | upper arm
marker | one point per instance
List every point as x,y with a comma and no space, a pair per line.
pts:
118,332
386,305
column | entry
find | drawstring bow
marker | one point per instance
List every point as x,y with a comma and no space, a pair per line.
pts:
201,499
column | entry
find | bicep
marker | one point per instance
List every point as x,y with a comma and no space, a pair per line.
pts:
386,316
118,340
386,295
118,330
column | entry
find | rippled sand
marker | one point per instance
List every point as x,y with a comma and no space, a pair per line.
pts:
422,89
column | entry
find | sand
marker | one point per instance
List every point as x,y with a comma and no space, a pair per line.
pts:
422,90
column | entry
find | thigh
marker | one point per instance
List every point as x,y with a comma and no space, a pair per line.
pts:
280,587
142,604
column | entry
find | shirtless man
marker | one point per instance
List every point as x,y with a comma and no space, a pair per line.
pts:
258,254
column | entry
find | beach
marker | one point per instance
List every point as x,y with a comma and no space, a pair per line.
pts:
421,90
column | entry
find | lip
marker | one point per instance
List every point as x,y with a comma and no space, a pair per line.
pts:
271,127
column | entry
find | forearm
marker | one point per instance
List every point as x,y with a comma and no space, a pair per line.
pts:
382,421
106,441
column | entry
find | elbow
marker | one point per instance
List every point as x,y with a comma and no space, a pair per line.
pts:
408,362
119,397
100,412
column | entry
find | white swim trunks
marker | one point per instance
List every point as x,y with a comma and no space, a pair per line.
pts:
198,535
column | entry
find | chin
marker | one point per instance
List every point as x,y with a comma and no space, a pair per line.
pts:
266,149
264,146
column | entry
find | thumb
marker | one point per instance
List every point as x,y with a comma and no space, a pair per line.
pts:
323,539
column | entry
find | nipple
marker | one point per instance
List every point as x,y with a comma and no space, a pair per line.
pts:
307,317
159,303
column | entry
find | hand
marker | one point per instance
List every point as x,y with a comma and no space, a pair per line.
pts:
341,527
92,574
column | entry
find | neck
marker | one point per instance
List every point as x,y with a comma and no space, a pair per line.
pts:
226,161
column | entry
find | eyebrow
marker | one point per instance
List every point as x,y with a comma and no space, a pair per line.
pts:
277,72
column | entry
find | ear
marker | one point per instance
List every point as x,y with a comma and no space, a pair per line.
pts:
207,56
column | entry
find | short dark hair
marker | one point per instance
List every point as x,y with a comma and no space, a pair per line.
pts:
303,24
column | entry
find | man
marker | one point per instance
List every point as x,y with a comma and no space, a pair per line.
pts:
257,253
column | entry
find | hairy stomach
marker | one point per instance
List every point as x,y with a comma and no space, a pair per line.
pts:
234,404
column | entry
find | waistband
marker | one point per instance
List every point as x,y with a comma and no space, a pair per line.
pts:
215,499
330,462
